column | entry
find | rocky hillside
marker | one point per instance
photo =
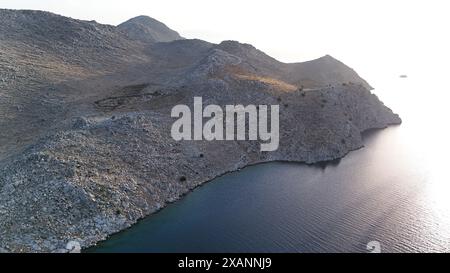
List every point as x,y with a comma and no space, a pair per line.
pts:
85,146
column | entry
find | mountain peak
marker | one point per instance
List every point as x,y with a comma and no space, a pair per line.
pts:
148,30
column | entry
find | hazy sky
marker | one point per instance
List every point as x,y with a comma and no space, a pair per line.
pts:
377,38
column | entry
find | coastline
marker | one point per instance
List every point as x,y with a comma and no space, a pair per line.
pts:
322,164
98,177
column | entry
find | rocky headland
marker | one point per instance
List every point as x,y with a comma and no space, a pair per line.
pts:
85,144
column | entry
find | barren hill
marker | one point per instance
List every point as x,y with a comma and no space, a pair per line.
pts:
85,146
148,30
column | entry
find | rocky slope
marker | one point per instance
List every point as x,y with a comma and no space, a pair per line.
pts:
85,145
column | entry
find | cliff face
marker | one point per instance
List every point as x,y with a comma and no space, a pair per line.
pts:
85,145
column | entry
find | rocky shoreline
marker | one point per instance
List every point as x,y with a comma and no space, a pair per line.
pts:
201,184
95,194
